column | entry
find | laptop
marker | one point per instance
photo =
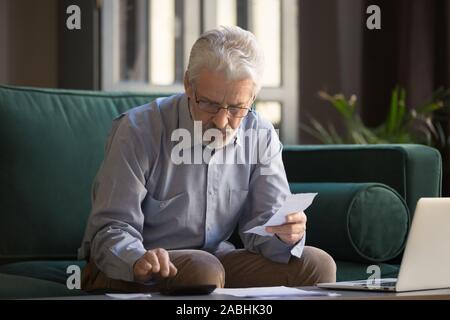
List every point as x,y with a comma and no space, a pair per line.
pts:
426,260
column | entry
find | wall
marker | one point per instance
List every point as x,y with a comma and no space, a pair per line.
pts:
28,43
4,71
330,40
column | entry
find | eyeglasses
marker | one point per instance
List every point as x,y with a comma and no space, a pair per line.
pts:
214,107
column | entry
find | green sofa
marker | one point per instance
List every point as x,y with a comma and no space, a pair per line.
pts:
51,146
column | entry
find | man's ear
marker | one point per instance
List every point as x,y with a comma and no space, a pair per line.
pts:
187,85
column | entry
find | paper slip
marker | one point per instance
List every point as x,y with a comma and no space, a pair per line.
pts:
293,203
129,296
273,292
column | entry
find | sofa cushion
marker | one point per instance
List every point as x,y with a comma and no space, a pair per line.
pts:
51,144
347,271
20,287
55,271
359,222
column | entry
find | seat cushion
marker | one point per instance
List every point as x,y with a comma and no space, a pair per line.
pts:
55,271
347,271
21,287
359,222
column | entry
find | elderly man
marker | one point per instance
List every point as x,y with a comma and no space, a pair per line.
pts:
159,222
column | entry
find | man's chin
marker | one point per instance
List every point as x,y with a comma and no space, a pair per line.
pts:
223,141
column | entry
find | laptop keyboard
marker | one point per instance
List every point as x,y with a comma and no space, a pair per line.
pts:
389,283
383,283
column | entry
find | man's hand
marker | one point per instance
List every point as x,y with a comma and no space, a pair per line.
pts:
153,262
293,230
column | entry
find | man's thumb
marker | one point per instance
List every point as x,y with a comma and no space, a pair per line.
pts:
143,267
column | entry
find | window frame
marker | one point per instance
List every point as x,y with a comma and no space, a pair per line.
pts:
286,93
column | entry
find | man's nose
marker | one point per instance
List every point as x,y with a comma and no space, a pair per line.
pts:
221,119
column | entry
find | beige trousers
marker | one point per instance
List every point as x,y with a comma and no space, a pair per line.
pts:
232,269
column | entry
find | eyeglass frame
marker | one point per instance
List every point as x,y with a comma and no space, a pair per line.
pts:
249,109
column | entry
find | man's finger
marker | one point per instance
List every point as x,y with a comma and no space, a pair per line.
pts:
291,238
296,217
151,258
294,229
287,228
172,270
164,262
142,269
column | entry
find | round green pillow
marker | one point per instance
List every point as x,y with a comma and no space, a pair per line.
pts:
361,222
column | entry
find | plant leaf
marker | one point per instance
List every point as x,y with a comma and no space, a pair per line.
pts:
392,115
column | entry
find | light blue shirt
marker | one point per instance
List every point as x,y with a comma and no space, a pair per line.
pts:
142,199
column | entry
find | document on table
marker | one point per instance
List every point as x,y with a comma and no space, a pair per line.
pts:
129,296
273,292
293,203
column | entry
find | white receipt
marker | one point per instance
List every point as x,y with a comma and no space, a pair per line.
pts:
129,296
273,292
293,203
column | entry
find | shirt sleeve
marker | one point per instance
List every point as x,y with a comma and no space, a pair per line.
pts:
267,191
114,231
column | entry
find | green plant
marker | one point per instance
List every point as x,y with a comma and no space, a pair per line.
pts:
402,124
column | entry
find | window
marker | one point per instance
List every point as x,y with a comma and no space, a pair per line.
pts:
146,46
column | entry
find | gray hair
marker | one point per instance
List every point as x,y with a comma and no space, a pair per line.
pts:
231,50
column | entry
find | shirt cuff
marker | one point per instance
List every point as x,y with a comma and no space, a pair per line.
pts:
276,250
297,250
128,255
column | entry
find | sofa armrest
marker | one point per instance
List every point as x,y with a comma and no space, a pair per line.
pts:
414,171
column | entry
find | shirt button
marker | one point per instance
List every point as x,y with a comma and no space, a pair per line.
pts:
162,205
